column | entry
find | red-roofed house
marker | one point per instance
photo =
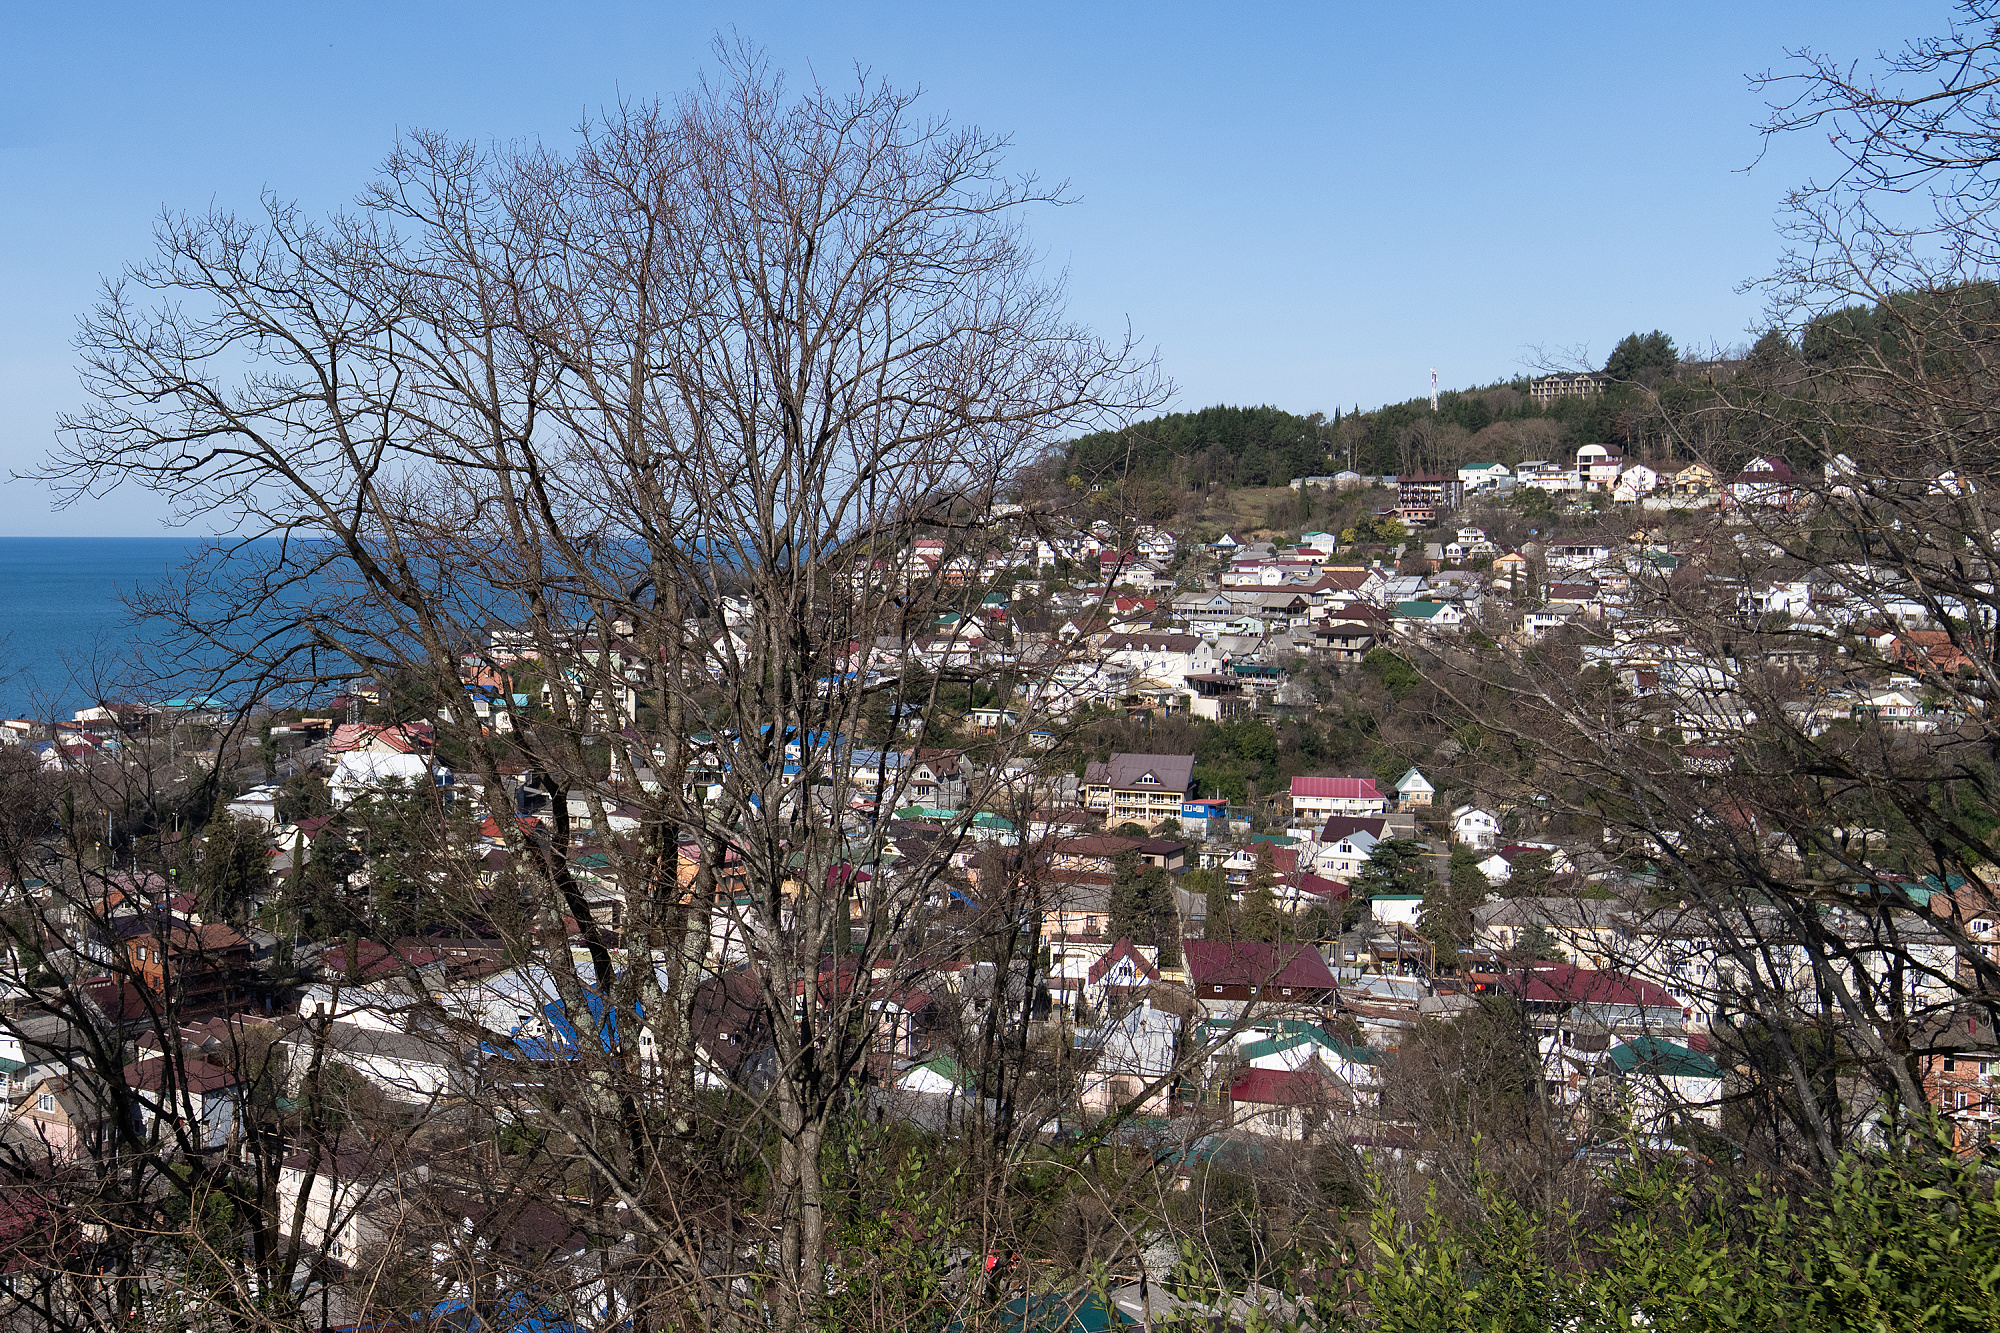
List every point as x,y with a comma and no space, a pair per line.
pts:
1287,1103
1238,970
375,738
1318,799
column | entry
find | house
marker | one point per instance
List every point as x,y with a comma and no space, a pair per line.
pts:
1634,481
1294,1044
935,779
1342,845
362,773
1583,598
198,1095
62,1116
1594,932
1347,640
408,1069
197,965
1413,789
1474,827
1143,789
1484,476
1317,799
1289,1105
1131,1054
1662,1083
1415,619
1160,659
1203,609
340,1191
1226,973
1121,971
1686,478
1764,481
1598,465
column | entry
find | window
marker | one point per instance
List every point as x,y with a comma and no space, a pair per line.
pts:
1979,925
46,1103
1950,1065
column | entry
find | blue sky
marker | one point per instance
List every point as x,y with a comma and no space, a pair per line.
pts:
1309,205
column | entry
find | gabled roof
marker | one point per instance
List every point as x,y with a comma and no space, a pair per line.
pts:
1293,1033
1124,948
1414,781
1131,772
1561,983
1282,1087
1339,828
1250,963
1654,1055
1338,788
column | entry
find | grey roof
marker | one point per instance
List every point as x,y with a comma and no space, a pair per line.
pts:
1174,772
353,1039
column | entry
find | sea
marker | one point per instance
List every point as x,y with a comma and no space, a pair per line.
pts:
66,634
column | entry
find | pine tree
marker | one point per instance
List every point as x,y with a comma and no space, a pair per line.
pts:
1128,907
1261,918
234,868
1394,867
1219,906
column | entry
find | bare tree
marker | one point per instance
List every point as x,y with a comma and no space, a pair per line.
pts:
649,427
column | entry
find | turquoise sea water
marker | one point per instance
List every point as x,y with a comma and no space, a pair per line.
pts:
62,620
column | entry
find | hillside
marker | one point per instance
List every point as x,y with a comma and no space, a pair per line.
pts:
1268,446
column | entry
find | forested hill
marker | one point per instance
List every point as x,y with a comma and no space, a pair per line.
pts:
1268,446
1238,446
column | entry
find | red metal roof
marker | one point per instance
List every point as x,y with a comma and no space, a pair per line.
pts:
1249,963
1344,788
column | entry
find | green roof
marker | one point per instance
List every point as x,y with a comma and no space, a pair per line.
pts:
985,819
1418,610
1654,1055
12,1066
947,1068
1296,1032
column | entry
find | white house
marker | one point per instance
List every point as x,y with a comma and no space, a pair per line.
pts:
1475,827
1483,476
361,773
1318,799
1342,857
1414,789
1131,1053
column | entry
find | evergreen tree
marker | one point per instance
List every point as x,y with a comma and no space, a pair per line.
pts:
235,867
1261,918
1129,916
1394,866
1446,921
1220,907
1640,355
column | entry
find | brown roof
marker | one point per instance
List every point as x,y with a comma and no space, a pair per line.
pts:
1247,963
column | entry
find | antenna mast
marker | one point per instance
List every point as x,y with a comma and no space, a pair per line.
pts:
1434,388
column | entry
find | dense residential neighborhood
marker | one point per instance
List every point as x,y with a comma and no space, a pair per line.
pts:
1223,959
